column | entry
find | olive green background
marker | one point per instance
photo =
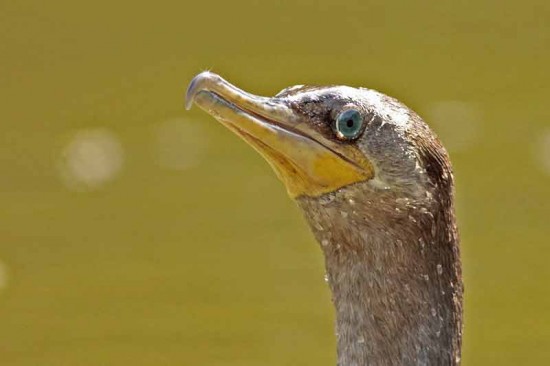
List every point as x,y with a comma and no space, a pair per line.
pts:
133,232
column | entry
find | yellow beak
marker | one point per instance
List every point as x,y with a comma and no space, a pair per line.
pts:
307,162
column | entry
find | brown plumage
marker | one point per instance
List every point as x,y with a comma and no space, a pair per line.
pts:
379,200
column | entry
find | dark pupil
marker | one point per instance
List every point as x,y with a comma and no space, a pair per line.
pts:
349,123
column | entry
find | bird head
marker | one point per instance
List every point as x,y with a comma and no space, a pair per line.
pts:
321,139
375,186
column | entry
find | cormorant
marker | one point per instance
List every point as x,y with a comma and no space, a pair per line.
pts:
376,187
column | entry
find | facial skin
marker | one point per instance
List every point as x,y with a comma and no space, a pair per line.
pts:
387,140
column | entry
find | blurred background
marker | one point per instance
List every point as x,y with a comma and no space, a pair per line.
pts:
133,232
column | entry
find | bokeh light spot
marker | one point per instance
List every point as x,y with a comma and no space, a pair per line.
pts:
180,144
457,123
92,158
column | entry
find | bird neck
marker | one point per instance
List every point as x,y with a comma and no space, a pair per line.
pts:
393,268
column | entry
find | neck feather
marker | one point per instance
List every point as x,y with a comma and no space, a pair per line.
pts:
393,267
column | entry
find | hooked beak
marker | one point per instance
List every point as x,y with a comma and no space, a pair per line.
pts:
307,163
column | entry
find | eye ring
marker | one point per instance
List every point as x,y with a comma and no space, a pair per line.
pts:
348,125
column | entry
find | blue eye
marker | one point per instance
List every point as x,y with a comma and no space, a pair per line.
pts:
349,124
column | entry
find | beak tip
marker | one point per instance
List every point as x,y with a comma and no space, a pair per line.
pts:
197,84
188,104
190,94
